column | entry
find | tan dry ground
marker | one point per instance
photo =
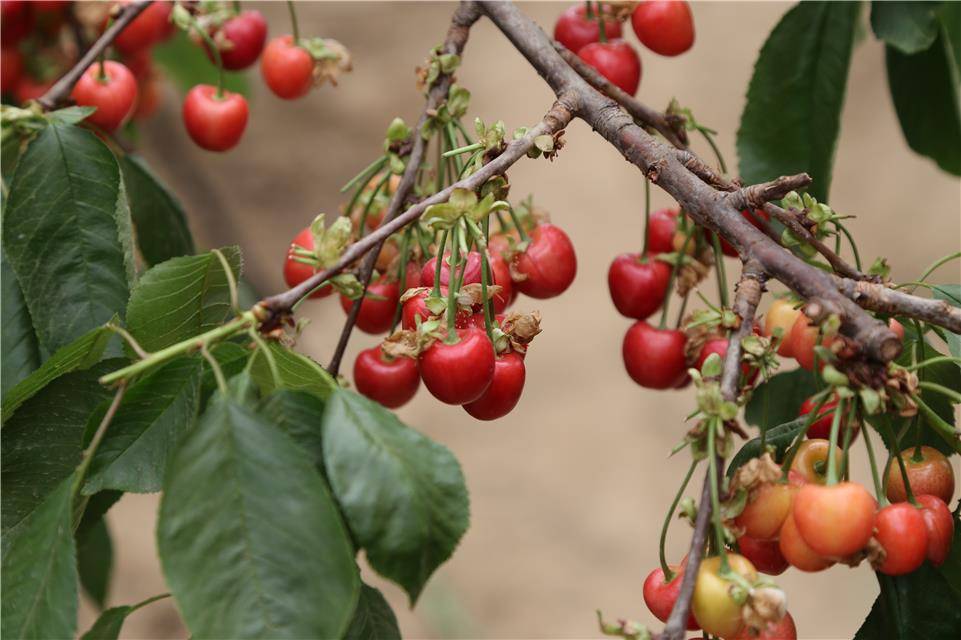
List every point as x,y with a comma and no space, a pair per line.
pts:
567,492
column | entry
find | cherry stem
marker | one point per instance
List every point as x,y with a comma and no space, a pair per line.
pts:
647,216
848,431
237,8
721,273
717,152
850,238
589,10
832,475
670,282
362,224
951,394
668,574
713,425
680,312
293,22
937,263
452,284
365,174
518,225
214,51
930,361
822,397
878,490
401,275
895,447
438,265
601,27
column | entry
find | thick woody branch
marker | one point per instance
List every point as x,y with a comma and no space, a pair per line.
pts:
748,296
705,204
464,17
56,94
882,299
556,119
758,195
671,127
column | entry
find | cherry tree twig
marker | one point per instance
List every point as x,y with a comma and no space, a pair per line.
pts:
464,17
56,94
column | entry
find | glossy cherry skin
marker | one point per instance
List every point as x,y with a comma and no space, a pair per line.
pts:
654,358
781,315
617,61
459,373
296,272
150,27
713,607
114,96
765,555
574,30
389,381
660,596
11,68
765,511
661,226
901,530
783,629
416,306
719,346
287,68
501,276
247,34
755,218
932,474
215,124
836,520
504,391
810,461
803,339
797,552
469,270
940,527
638,286
548,262
29,89
821,427
375,314
664,26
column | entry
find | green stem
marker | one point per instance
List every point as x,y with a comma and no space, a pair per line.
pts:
451,284
214,51
832,475
904,479
370,203
670,281
517,225
721,273
479,238
459,150
144,603
98,435
647,216
937,263
402,275
715,499
293,22
945,430
854,246
717,152
364,175
438,265
878,490
815,413
930,361
945,391
668,574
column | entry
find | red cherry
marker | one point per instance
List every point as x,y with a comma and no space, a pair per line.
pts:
477,320
215,124
797,552
416,306
765,511
376,313
469,270
390,381
574,30
930,473
804,338
821,427
661,226
296,272
148,99
834,520
901,530
16,21
246,34
638,285
660,596
783,629
617,61
460,372
940,527
504,391
501,276
151,26
755,218
719,346
664,26
11,67
114,95
897,328
49,6
30,89
655,357
765,555
548,263
288,69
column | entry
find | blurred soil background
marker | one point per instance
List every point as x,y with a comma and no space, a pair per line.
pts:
567,492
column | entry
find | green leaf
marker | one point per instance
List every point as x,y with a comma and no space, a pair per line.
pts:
373,618
780,437
39,571
950,15
779,399
109,624
41,443
82,353
162,231
792,116
95,561
232,359
924,87
909,26
187,65
299,414
403,495
294,371
250,540
920,604
181,298
21,352
950,293
62,233
155,413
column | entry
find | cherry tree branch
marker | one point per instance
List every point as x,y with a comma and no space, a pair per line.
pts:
61,89
883,299
464,17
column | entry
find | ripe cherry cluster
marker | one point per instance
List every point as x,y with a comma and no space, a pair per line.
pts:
592,30
445,304
126,88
